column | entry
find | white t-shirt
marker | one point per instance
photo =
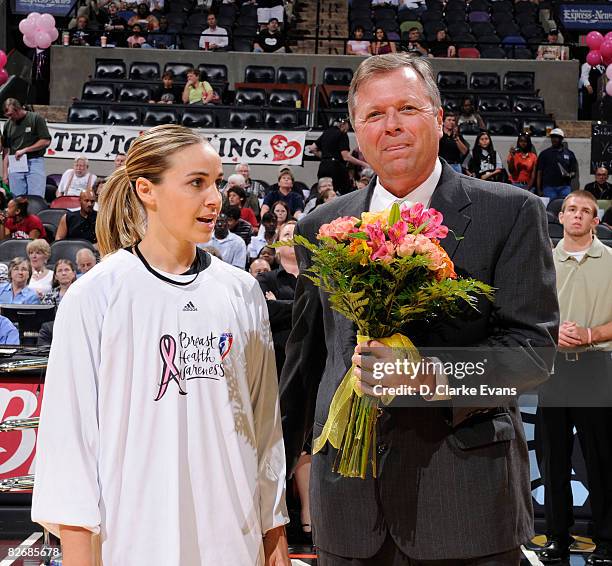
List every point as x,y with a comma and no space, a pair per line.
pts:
42,285
72,186
160,424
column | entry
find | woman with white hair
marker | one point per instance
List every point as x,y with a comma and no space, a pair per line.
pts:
77,179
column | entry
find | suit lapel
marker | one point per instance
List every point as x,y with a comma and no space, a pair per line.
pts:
453,202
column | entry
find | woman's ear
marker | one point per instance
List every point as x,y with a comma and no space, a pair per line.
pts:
146,193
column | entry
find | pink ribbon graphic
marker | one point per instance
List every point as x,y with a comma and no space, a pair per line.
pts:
167,349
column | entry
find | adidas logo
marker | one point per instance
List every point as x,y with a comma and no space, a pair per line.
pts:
190,307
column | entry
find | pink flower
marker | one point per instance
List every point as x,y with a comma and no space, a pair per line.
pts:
376,235
339,229
386,252
422,244
436,257
407,246
417,215
398,231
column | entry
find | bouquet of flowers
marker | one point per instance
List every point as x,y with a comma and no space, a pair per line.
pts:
381,271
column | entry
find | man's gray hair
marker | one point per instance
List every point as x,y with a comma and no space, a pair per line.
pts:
236,180
383,64
85,251
11,102
83,159
243,164
325,180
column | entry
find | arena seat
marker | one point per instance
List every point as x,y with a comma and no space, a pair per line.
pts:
284,98
85,115
141,71
101,92
538,128
502,126
159,116
109,69
452,80
199,118
212,72
10,249
291,75
134,93
52,216
491,52
243,43
67,249
554,206
494,103
179,70
452,103
603,232
244,118
468,53
36,204
259,74
123,116
250,97
337,76
280,119
484,81
66,202
529,104
519,80
555,230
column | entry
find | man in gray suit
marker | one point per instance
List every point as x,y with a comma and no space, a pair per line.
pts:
453,481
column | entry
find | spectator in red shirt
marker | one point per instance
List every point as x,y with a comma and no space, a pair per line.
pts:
18,224
522,161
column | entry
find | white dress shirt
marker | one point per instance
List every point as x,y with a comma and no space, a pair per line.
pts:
382,198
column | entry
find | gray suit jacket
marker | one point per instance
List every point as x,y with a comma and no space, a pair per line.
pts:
452,482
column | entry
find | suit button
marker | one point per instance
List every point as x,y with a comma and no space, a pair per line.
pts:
382,448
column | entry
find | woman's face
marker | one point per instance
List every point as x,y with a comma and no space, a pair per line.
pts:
142,10
80,168
441,35
11,208
233,199
64,274
286,233
37,259
281,213
136,29
484,141
20,274
380,34
522,143
358,34
186,202
330,196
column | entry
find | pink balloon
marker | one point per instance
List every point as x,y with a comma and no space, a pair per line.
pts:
3,59
46,21
54,34
27,26
606,49
607,60
608,36
594,39
609,72
608,87
43,40
34,17
29,41
3,76
593,58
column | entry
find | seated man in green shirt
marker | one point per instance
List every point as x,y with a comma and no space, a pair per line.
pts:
196,91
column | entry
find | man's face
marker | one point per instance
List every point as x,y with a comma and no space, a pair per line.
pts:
397,129
285,181
221,227
232,223
449,123
556,141
11,113
579,217
64,274
259,266
87,200
269,226
82,23
212,21
85,262
233,199
601,175
120,160
80,168
168,82
413,35
243,170
272,26
325,185
112,9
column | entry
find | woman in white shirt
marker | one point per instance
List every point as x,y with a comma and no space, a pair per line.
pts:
358,46
76,180
39,252
160,428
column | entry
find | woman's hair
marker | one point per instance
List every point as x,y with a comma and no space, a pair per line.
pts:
526,136
15,262
238,191
384,38
358,28
22,206
323,196
285,206
55,282
121,221
39,245
477,152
